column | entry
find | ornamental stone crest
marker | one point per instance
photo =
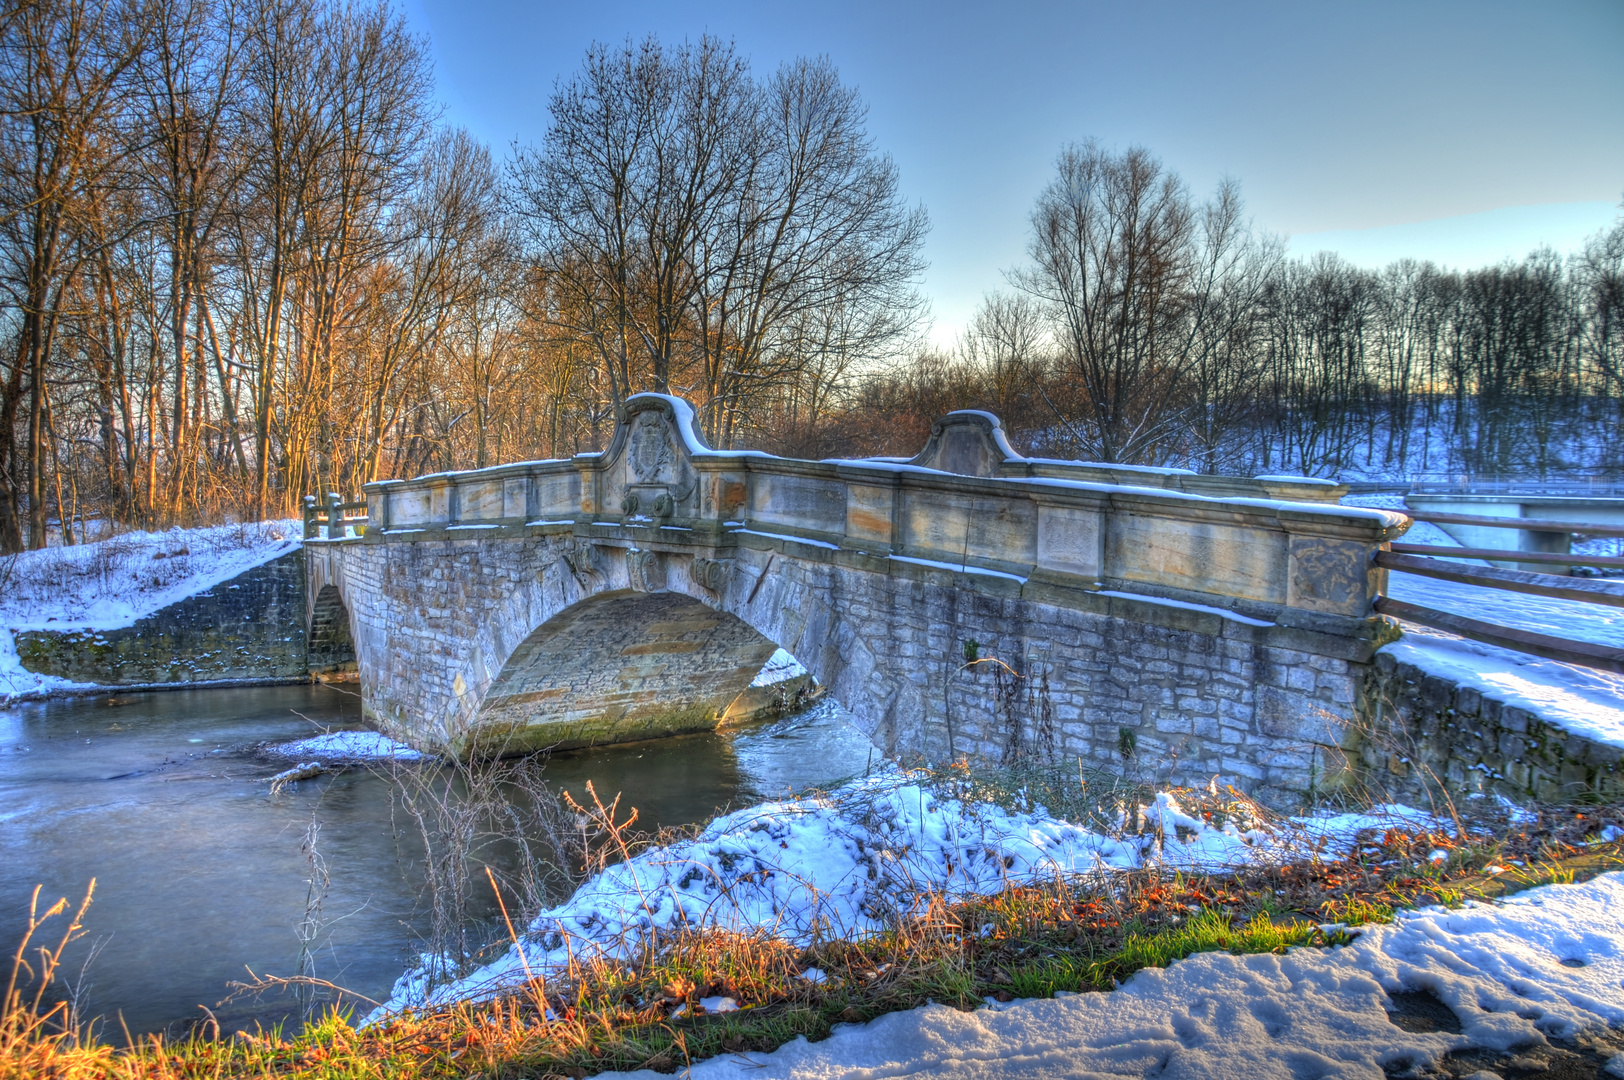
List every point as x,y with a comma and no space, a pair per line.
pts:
645,571
582,561
709,574
658,482
649,457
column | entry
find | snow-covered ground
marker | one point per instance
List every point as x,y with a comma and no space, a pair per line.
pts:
1548,962
113,583
845,863
1586,701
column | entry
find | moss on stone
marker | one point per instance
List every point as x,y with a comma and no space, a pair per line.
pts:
511,740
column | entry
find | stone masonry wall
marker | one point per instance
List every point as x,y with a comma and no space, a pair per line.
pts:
1419,732
249,628
1148,702
1151,689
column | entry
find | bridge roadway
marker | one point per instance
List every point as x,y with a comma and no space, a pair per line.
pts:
1158,623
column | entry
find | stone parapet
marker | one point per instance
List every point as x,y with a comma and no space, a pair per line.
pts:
972,442
1297,563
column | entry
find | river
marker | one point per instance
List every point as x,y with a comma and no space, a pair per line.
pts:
161,797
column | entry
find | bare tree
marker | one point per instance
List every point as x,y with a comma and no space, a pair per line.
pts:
1600,272
710,234
601,222
186,88
61,73
240,262
1113,256
1222,328
282,115
821,227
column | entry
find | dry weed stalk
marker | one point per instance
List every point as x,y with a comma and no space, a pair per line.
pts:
485,816
33,1031
309,928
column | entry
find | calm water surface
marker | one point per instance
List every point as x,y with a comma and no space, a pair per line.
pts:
199,874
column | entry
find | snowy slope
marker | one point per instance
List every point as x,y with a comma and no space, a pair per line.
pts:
843,863
1546,962
113,583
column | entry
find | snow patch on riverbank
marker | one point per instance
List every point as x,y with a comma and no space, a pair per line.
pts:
346,746
17,683
113,583
1510,972
846,864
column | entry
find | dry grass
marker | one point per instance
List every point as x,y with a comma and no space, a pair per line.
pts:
1074,934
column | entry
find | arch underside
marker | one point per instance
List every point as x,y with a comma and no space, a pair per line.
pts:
618,667
330,649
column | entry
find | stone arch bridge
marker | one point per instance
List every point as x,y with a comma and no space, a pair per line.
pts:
966,601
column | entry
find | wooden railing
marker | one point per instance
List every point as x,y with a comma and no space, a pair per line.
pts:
1612,562
334,518
1582,528
1437,561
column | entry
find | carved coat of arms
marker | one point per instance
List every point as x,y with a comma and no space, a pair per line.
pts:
648,458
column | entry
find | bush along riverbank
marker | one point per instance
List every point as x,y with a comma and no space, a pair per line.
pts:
793,917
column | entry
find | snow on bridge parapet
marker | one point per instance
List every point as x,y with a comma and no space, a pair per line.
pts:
972,442
1296,561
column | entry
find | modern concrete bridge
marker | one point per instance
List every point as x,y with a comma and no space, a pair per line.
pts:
1561,508
968,601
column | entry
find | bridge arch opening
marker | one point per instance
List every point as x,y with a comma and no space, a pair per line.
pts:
619,666
329,646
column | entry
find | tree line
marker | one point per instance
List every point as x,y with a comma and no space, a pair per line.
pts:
1149,327
242,260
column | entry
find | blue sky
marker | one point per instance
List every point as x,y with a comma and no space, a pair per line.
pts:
1461,131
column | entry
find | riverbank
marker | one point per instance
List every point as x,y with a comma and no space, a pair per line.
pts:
846,863
908,892
166,799
1230,936
148,610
